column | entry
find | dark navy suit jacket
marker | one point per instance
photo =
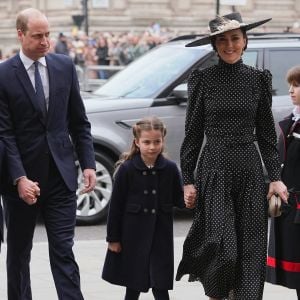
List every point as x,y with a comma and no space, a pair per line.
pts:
1,170
284,126
29,136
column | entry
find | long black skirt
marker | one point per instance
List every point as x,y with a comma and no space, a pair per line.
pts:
226,246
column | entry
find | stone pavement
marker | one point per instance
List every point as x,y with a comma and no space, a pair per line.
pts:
90,256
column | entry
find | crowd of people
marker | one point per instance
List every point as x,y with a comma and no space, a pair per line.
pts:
105,48
43,122
108,48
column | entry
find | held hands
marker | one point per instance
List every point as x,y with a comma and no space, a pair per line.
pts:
28,190
190,193
89,180
115,247
279,188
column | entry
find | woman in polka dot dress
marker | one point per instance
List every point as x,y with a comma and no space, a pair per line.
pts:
230,104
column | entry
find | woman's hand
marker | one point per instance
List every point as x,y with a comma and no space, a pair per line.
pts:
190,193
279,188
115,247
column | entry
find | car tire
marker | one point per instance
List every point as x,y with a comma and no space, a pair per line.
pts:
92,207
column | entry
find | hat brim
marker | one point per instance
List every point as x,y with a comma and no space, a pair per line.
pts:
206,39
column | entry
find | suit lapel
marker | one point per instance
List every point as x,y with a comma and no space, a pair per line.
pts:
24,80
285,125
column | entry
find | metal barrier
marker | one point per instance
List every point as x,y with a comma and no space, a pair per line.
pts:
90,84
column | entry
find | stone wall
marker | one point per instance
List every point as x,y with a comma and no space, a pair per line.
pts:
181,16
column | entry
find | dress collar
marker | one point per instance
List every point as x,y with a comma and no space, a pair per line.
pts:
160,162
230,67
296,113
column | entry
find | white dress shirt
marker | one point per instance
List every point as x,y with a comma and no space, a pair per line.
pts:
29,66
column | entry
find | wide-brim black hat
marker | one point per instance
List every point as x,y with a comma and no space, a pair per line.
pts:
223,24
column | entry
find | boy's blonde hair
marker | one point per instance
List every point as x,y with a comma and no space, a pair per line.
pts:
293,75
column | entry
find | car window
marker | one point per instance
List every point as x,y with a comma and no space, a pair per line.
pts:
250,58
146,76
211,60
279,61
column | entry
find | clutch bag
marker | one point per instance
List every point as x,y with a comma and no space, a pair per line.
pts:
275,206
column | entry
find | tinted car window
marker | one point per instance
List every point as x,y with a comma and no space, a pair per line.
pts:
147,76
250,58
279,62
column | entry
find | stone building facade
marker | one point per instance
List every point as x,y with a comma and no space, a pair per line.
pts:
181,16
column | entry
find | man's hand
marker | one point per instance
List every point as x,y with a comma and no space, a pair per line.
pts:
28,190
89,180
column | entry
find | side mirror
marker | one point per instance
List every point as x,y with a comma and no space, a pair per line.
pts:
180,92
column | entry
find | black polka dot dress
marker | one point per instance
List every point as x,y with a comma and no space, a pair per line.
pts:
229,104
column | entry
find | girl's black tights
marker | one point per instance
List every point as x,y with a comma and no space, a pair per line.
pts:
158,294
298,293
131,294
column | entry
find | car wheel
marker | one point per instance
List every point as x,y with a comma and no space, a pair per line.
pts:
92,207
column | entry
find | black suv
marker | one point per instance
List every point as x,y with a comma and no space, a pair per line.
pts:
155,84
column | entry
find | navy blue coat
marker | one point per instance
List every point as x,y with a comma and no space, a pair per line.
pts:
141,218
29,136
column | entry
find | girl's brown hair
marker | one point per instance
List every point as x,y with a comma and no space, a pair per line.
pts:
145,124
293,75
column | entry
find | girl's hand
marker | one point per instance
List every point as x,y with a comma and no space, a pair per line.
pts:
190,193
115,247
279,188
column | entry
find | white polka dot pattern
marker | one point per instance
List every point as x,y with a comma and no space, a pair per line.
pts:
226,245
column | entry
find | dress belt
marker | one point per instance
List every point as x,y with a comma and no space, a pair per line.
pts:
231,139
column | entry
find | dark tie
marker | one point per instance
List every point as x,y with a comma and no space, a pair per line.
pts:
39,90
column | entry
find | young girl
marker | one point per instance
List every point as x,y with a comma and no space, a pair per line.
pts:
283,263
140,219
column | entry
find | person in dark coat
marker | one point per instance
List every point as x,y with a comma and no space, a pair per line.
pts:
283,263
1,183
61,46
140,221
102,56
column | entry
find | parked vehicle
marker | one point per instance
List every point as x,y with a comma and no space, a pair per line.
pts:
155,84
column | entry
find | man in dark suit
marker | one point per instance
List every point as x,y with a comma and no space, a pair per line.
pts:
42,121
1,214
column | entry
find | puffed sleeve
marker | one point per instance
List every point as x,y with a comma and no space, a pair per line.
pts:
265,128
194,127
